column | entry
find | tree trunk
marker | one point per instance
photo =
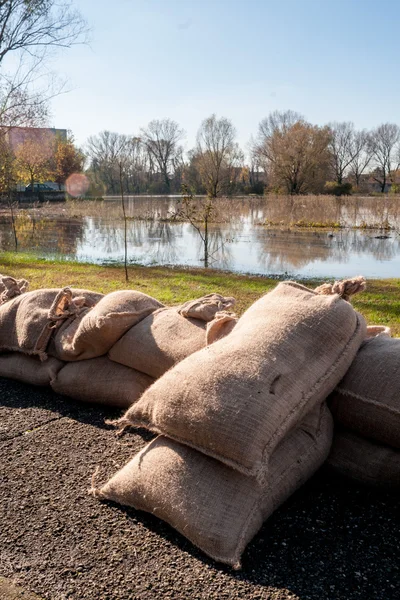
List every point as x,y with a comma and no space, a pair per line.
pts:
13,222
125,223
206,242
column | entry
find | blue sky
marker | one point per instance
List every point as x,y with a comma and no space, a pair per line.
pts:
330,60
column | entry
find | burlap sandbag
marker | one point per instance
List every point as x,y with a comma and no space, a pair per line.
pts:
29,369
238,398
216,507
10,287
161,340
29,319
96,331
364,460
367,400
101,381
206,307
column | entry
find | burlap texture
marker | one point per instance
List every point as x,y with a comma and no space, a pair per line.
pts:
161,340
29,369
364,460
217,508
237,399
222,324
102,381
206,307
367,400
10,287
96,331
29,319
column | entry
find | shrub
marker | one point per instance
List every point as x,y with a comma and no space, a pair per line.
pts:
338,189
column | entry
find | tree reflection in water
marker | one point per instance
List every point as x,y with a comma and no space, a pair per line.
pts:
93,231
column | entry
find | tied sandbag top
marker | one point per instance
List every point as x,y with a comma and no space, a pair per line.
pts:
206,307
165,337
236,399
10,288
96,331
28,320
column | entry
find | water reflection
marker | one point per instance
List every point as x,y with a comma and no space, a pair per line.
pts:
238,244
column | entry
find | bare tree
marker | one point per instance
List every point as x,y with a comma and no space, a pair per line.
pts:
161,138
277,121
111,153
294,153
29,31
8,180
385,141
37,25
345,147
103,151
362,155
218,156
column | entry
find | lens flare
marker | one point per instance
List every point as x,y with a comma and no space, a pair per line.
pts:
77,184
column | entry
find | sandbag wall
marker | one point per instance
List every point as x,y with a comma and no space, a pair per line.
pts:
243,422
239,406
61,337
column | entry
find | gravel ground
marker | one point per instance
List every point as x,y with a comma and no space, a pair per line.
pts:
331,540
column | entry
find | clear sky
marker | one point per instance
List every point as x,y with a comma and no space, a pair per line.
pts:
331,60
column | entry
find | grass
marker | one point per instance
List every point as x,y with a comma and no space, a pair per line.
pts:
380,303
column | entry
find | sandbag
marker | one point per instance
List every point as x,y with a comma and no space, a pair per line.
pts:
29,369
28,320
217,508
237,399
367,400
10,287
97,330
161,340
365,461
206,307
101,381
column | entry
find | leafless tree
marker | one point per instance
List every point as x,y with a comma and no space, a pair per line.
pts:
8,179
110,154
385,141
362,155
218,156
293,152
161,138
277,122
345,147
30,30
103,150
36,25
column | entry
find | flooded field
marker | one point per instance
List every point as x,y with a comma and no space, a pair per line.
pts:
260,236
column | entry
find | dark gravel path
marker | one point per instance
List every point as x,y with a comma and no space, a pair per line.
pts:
331,540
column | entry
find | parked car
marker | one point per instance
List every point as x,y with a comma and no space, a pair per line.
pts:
39,187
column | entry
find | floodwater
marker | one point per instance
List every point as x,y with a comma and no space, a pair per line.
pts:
90,231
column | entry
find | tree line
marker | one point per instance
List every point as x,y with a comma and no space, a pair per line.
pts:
288,155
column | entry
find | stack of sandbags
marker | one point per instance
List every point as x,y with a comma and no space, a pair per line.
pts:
366,409
143,339
242,422
77,328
